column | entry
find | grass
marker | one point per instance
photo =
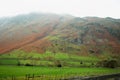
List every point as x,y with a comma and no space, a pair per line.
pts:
45,59
22,54
6,71
72,65
53,37
8,62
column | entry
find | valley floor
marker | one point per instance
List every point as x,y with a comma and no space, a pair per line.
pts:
21,72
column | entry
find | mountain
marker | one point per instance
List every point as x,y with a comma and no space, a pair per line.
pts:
42,32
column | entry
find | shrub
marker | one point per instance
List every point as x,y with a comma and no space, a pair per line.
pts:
108,63
28,64
19,63
92,64
58,63
81,62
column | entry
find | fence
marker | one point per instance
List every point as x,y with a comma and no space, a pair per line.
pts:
45,77
103,77
63,77
35,77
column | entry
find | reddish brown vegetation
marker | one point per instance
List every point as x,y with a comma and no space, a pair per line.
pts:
90,34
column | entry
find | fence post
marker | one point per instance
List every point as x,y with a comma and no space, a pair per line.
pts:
26,77
33,77
12,77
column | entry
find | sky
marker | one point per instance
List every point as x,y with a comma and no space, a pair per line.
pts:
79,8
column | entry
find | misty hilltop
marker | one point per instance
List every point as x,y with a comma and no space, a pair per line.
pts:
60,33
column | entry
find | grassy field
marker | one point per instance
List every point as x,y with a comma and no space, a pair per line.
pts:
21,71
14,64
47,59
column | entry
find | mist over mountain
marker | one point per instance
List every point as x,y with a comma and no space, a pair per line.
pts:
60,33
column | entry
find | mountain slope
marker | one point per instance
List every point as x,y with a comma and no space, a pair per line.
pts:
60,33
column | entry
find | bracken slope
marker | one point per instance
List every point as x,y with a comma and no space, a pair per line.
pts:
60,33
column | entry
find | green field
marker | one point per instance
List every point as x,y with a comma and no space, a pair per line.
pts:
47,59
21,71
20,63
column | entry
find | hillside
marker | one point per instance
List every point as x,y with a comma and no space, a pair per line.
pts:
60,33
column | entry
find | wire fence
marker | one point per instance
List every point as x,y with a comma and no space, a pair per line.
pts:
62,77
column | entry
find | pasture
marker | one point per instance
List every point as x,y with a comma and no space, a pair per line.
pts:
18,65
53,72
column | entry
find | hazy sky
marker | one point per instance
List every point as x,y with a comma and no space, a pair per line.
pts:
81,8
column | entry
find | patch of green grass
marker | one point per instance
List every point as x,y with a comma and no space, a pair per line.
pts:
14,54
48,58
23,70
22,54
85,58
37,62
79,64
61,56
53,37
15,62
72,65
